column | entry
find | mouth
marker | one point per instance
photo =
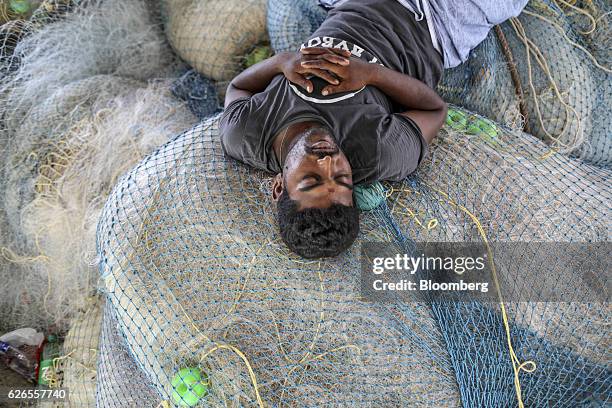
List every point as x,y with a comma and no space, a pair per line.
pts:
323,146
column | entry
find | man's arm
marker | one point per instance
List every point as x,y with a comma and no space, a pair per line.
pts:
255,79
423,104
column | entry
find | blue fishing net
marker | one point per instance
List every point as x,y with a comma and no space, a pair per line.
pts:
120,383
290,22
562,75
196,277
199,93
196,274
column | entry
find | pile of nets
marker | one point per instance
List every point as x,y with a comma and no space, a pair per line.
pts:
18,18
88,89
483,84
547,71
77,367
498,187
192,268
120,383
213,36
81,109
197,277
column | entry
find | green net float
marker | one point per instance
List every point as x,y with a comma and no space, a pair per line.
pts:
189,386
20,6
369,196
259,53
456,119
490,129
480,126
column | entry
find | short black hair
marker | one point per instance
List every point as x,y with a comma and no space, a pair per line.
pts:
316,232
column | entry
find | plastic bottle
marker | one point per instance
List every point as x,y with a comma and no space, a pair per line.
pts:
18,361
50,352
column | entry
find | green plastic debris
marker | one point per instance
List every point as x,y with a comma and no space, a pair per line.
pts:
457,119
51,351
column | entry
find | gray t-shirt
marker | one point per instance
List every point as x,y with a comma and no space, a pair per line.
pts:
379,143
458,25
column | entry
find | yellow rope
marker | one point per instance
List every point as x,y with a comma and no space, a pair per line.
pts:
316,334
585,13
246,362
217,346
517,365
223,347
246,280
12,257
52,376
530,46
431,224
575,44
603,16
302,362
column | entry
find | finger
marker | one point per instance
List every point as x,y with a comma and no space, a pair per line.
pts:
332,89
333,58
310,58
323,64
336,59
325,75
323,50
313,50
341,52
307,85
301,81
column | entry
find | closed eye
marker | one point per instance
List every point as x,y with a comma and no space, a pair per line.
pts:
308,188
311,177
339,179
318,183
350,187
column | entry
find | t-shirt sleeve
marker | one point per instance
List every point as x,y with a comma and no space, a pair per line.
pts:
401,147
248,125
232,127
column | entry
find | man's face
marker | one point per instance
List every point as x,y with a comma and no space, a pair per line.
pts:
317,174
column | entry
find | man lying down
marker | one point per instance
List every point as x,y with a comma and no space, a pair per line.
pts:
354,105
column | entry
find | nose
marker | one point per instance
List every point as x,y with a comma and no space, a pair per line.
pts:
326,165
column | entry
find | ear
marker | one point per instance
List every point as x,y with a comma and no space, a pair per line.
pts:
277,187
